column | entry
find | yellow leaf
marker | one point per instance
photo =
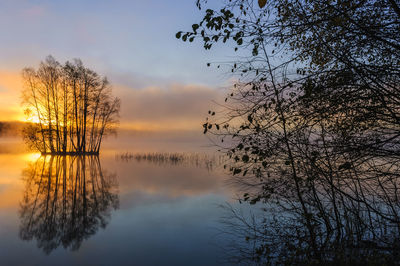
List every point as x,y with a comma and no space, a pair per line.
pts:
262,3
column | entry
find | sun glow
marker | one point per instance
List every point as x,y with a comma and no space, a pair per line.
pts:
33,119
33,157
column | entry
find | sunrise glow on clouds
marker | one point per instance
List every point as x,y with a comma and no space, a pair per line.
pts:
10,98
172,107
164,84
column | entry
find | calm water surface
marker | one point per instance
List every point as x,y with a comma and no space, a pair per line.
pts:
104,211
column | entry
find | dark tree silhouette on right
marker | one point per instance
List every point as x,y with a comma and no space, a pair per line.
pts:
312,125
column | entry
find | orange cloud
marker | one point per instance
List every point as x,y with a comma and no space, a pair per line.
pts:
176,107
154,108
10,91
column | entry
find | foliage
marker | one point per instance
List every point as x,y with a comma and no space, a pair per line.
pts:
312,123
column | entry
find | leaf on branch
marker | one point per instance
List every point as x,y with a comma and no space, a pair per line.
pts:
237,171
262,3
345,166
195,27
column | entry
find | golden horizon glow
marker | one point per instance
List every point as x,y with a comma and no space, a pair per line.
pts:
10,96
180,107
32,157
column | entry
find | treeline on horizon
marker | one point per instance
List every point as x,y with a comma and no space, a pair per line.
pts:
72,108
11,128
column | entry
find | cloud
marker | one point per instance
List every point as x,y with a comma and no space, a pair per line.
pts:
168,106
177,106
10,90
33,12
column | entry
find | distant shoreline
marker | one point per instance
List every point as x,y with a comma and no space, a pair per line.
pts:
70,153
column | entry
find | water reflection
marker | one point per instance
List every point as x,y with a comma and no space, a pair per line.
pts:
195,160
66,200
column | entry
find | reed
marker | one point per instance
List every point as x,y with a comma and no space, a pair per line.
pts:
198,160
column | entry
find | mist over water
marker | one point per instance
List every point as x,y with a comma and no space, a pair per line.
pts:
73,211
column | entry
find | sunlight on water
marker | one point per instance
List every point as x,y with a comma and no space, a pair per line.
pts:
56,209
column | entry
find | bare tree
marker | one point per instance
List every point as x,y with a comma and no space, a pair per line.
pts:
72,105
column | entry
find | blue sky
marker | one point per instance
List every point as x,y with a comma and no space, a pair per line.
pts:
131,42
116,37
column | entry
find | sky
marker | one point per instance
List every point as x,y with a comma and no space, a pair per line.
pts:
163,82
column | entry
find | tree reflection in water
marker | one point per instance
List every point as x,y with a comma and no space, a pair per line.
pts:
66,200
276,233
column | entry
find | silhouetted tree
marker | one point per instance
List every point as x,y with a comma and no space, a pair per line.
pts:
312,123
72,105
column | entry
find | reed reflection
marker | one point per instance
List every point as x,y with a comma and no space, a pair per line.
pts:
66,200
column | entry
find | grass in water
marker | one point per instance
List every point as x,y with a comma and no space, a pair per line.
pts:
199,160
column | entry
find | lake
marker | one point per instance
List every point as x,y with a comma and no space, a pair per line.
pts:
111,211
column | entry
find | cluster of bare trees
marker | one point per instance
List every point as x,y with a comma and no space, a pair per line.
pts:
312,127
71,108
